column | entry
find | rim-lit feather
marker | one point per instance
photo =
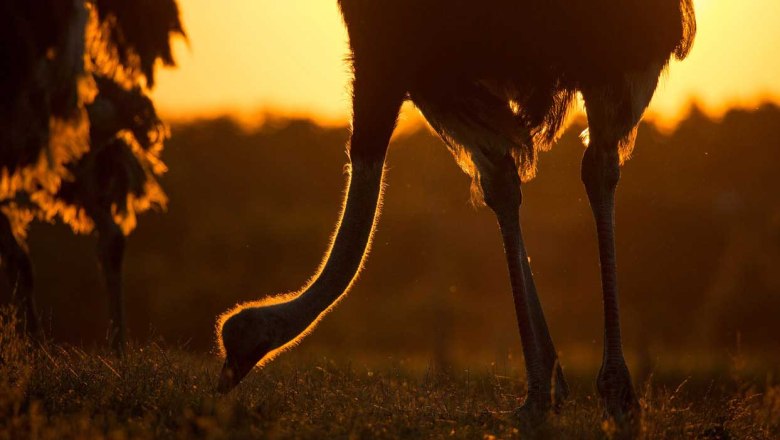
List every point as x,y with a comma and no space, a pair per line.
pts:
77,130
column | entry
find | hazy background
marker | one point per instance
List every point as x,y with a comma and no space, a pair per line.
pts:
253,203
251,213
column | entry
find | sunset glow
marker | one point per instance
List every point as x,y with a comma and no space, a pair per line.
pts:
252,57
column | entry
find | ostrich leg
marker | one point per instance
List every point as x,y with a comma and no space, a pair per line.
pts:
600,173
111,249
560,388
19,272
501,188
614,112
452,109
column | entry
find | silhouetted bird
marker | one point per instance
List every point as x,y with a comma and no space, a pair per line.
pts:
495,79
80,141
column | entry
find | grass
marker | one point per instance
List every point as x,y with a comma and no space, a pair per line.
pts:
155,392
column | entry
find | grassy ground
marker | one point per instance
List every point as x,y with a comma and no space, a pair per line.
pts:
57,392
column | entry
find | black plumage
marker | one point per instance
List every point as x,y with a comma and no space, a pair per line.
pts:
80,140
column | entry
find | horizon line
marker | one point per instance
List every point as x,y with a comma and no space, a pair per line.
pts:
411,120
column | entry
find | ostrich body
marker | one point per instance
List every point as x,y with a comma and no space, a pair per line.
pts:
80,141
112,183
495,81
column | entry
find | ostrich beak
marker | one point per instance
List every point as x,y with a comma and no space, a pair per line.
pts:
230,376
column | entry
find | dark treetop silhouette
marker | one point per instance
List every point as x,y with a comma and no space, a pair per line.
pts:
495,79
79,138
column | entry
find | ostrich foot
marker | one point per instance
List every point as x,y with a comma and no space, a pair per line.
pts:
534,412
30,326
619,399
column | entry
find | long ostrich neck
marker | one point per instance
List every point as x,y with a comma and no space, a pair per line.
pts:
349,247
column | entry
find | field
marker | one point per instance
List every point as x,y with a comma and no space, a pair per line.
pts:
409,352
53,392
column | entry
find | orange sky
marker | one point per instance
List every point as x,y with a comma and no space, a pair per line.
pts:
248,57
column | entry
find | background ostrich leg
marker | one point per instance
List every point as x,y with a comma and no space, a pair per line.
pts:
19,273
110,252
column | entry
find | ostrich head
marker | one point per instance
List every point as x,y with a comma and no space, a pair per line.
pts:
249,336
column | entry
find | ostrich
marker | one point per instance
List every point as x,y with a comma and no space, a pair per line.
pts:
98,167
112,183
495,81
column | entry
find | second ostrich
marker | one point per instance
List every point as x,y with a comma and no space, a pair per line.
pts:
112,183
79,138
